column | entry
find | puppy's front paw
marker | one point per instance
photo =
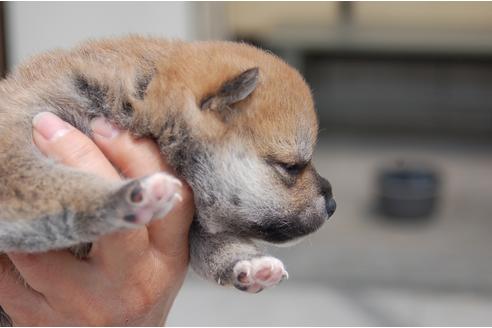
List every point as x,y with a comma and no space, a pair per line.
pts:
258,273
150,197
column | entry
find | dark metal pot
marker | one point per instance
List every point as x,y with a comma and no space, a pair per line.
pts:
408,192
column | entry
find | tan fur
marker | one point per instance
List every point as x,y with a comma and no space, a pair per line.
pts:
199,68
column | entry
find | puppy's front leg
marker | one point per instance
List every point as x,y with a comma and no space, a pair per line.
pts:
231,260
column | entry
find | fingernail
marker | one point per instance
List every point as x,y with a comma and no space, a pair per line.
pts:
50,126
103,128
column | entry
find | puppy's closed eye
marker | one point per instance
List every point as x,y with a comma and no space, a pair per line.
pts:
289,168
289,171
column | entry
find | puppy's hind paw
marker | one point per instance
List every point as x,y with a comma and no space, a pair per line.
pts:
150,198
258,273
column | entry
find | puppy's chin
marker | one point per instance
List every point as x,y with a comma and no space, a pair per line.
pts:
286,230
289,243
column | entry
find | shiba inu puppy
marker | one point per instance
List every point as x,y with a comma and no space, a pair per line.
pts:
236,122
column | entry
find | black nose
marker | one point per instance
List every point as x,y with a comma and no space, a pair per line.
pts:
325,188
327,193
331,206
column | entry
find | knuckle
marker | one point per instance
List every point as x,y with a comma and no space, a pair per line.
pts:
83,149
95,313
143,299
143,295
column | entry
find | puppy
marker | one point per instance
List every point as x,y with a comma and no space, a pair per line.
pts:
236,122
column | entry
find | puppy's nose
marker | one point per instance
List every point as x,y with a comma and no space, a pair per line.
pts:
325,187
331,206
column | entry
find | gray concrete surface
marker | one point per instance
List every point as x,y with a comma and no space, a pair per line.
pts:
360,270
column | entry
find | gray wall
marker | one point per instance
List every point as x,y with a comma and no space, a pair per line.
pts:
32,27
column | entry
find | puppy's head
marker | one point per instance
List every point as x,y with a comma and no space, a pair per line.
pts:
254,174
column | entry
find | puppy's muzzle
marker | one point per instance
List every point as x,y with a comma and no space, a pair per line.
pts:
286,228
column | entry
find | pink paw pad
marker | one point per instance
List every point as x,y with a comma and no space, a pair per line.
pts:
256,274
153,197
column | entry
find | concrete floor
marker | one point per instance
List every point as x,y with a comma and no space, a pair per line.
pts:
361,270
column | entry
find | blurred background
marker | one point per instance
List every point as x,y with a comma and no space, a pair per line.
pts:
404,97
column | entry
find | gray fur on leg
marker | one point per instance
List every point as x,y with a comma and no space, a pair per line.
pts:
111,208
4,319
214,255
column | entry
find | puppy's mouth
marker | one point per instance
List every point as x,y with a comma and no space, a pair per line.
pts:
283,230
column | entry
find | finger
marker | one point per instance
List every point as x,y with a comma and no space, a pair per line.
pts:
170,236
117,248
55,270
133,157
17,298
58,139
140,157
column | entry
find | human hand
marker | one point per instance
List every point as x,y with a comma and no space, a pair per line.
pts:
131,277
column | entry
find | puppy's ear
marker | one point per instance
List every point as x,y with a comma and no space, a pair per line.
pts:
232,91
